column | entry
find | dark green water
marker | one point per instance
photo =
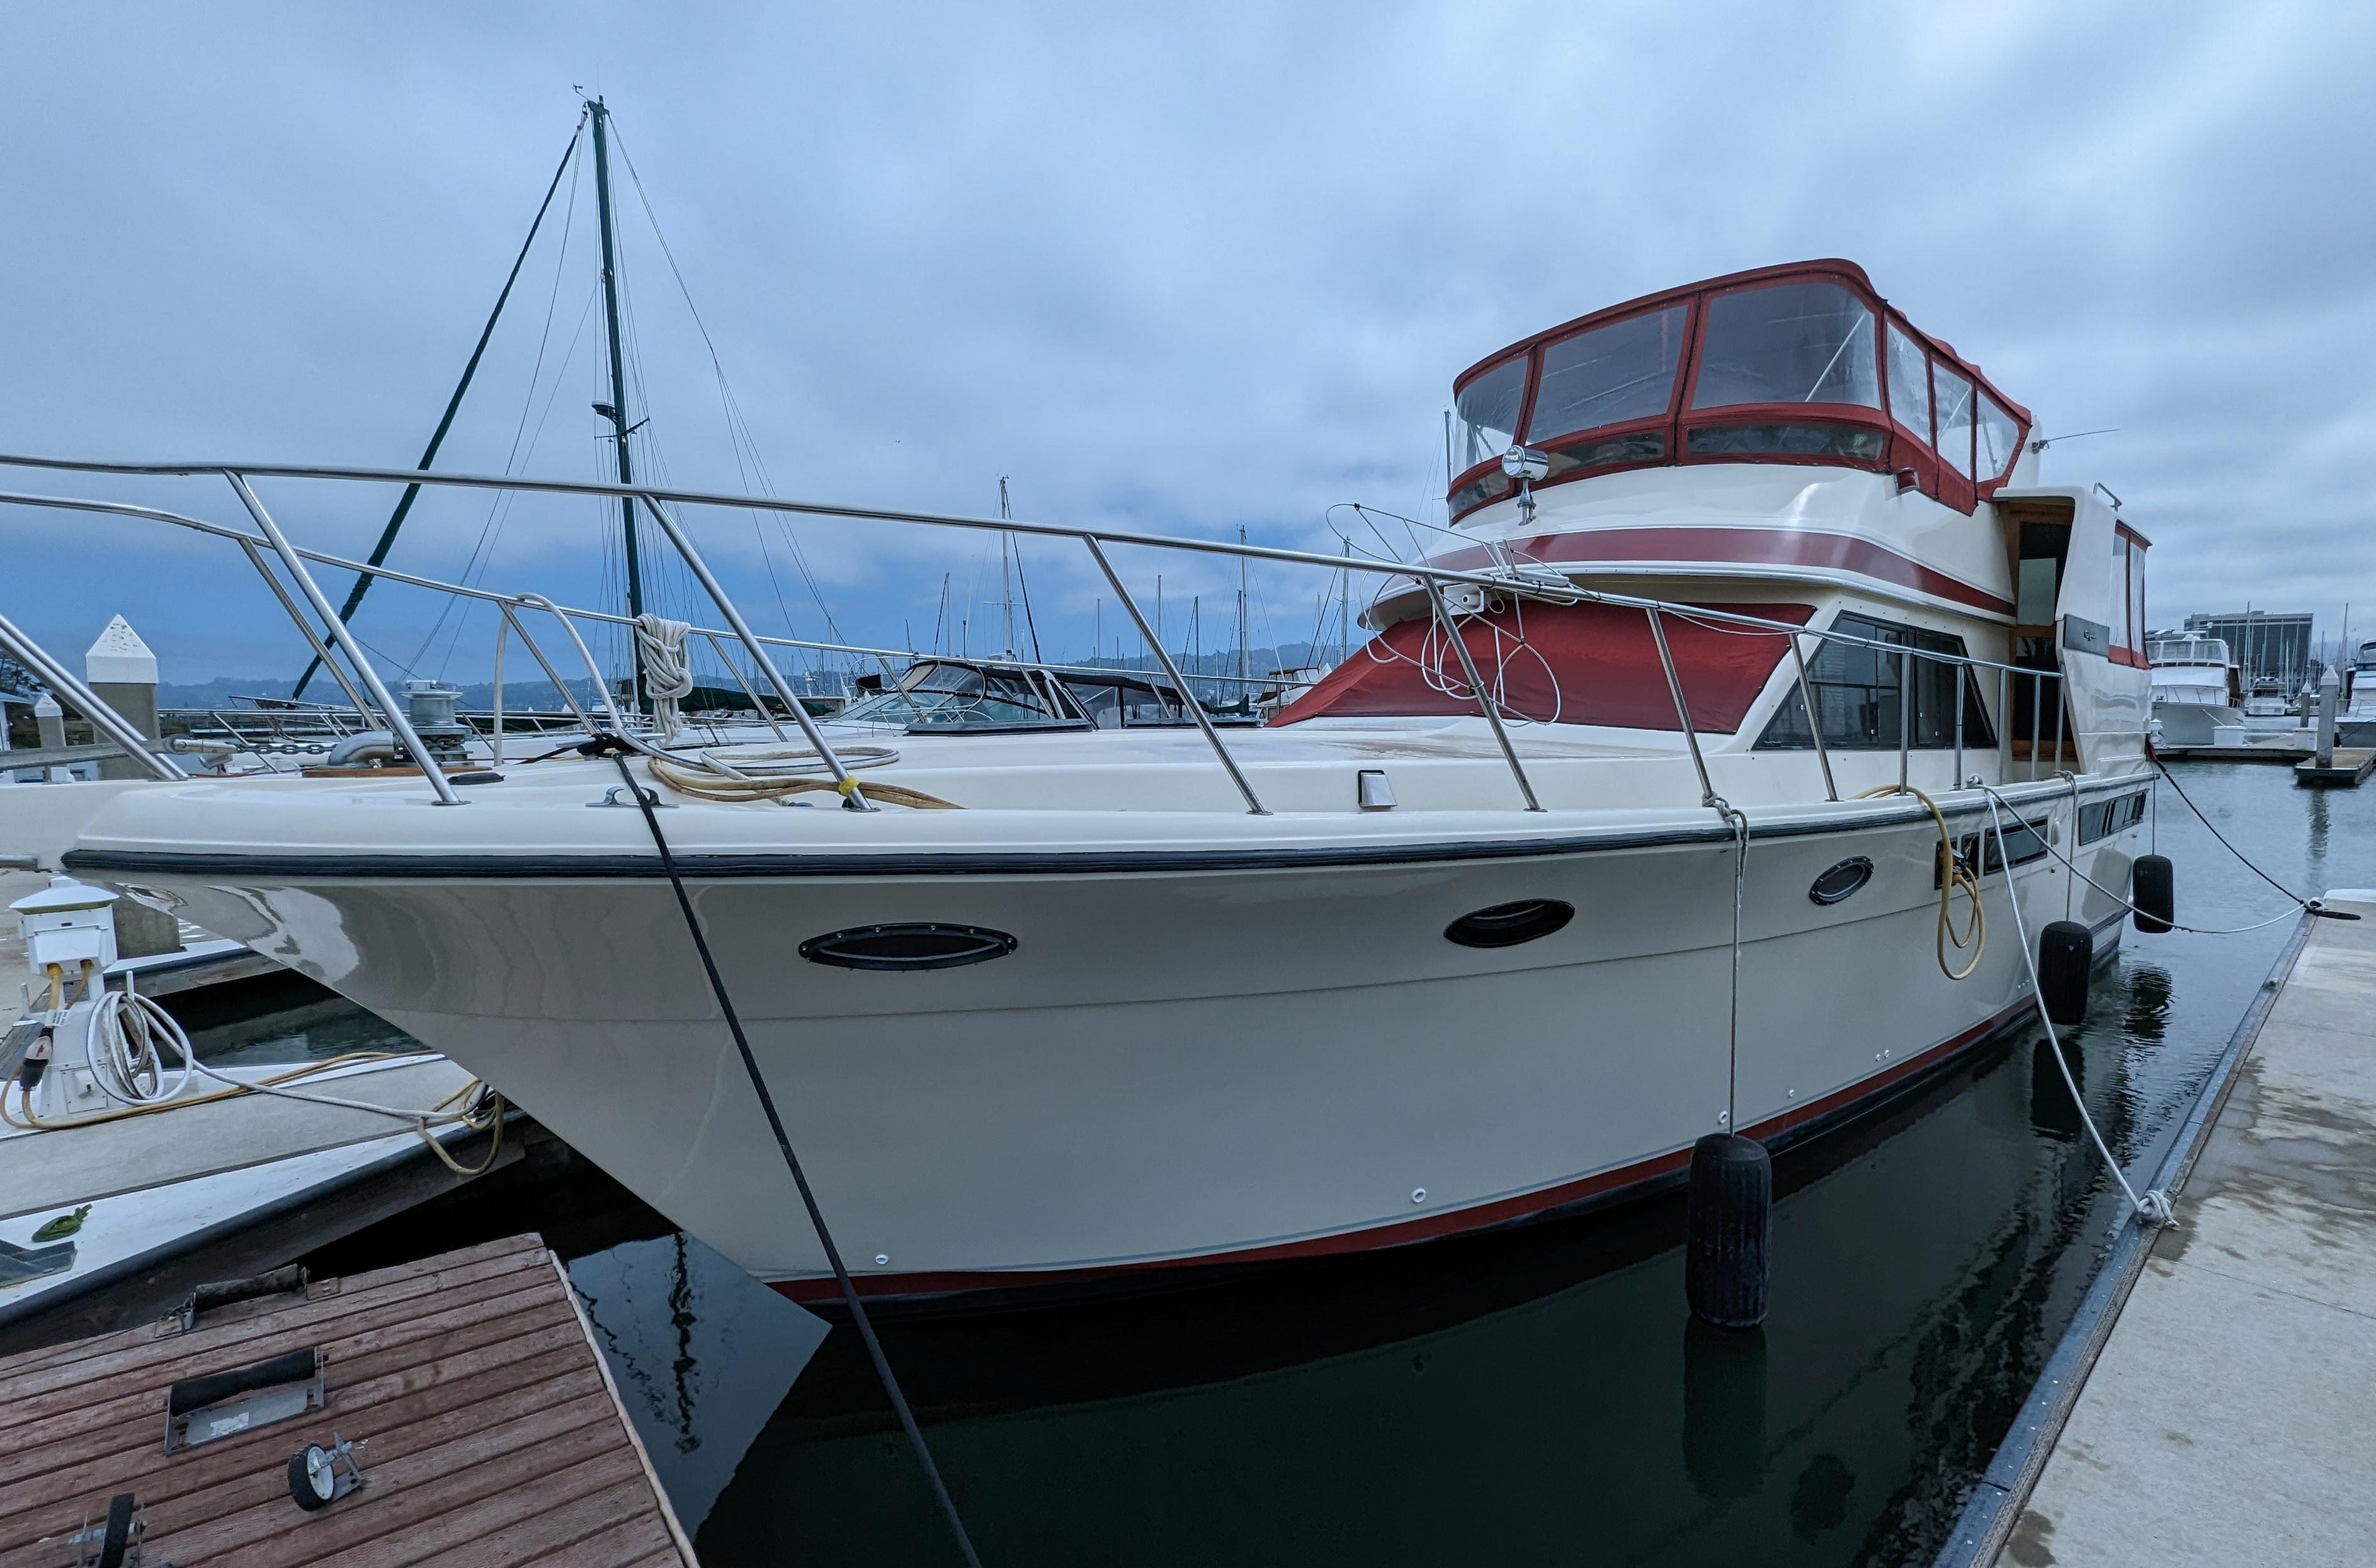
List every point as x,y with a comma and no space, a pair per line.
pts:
1539,1396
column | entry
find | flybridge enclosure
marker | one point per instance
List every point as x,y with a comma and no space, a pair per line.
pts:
1805,363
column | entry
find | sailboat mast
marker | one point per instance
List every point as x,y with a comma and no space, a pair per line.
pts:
1242,670
617,407
1005,574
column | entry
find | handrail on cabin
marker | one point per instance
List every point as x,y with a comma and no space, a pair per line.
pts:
1431,578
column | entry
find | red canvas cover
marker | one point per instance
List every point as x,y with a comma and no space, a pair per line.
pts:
1568,663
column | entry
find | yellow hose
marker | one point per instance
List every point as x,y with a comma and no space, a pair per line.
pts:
1953,874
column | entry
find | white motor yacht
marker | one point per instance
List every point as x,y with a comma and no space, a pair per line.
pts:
2195,688
1657,805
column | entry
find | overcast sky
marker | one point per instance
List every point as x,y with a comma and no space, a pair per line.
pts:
1183,274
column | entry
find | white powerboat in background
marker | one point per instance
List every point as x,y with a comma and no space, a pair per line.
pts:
1684,791
2195,688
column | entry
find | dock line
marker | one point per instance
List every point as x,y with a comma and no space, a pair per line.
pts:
2005,1487
617,750
2153,1209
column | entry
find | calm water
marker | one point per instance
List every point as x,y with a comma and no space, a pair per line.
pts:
1535,1398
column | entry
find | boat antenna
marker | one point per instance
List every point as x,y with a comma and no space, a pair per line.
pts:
616,409
452,406
2043,442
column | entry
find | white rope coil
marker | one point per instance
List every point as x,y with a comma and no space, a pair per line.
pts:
668,674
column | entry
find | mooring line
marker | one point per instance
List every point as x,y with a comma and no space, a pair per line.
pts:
617,751
2153,1208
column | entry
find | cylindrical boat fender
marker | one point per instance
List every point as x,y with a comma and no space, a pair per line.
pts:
2066,952
1725,1270
2153,888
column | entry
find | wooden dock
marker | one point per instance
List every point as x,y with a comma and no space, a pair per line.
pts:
489,1430
2208,1403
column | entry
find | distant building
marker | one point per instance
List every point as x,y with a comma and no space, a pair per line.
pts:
2265,643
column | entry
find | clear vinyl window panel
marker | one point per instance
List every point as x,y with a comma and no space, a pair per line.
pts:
1953,394
1488,411
1791,343
2000,437
1608,376
1859,694
1909,386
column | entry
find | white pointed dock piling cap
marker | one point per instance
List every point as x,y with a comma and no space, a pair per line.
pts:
120,658
63,895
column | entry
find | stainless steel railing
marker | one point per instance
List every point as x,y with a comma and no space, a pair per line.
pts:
368,691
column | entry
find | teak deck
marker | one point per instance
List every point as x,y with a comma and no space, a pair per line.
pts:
494,1434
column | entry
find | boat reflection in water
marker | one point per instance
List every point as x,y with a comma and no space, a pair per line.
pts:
1521,1396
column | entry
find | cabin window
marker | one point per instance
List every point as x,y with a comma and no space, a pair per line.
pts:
1953,394
2000,438
1487,409
1792,343
1561,664
2101,819
1857,691
1623,371
1909,386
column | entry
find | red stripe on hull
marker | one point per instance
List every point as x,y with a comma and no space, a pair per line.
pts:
1764,547
1481,1217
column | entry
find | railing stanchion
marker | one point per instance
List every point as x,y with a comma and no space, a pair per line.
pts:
503,637
2037,718
1962,680
844,780
1485,700
511,618
398,720
766,717
601,686
2005,724
321,650
1814,720
1905,715
2057,726
1682,709
1195,710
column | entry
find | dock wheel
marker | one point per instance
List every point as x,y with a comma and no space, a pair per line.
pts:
311,1483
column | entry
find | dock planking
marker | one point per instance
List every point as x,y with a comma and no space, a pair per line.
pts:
490,1431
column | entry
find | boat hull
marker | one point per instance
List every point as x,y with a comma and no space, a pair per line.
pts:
1180,1067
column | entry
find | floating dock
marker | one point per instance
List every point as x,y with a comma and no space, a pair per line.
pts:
2208,1403
2347,768
485,1429
2286,752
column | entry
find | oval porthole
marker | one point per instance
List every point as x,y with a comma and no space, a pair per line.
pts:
1841,880
926,944
1506,925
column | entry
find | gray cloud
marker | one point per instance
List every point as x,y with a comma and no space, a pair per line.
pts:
1178,272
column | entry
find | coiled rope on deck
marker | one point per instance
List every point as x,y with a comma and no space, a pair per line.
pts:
777,773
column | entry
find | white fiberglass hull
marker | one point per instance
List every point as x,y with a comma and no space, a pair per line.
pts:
1187,1058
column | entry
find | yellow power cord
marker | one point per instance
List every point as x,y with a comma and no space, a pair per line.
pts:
1975,935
